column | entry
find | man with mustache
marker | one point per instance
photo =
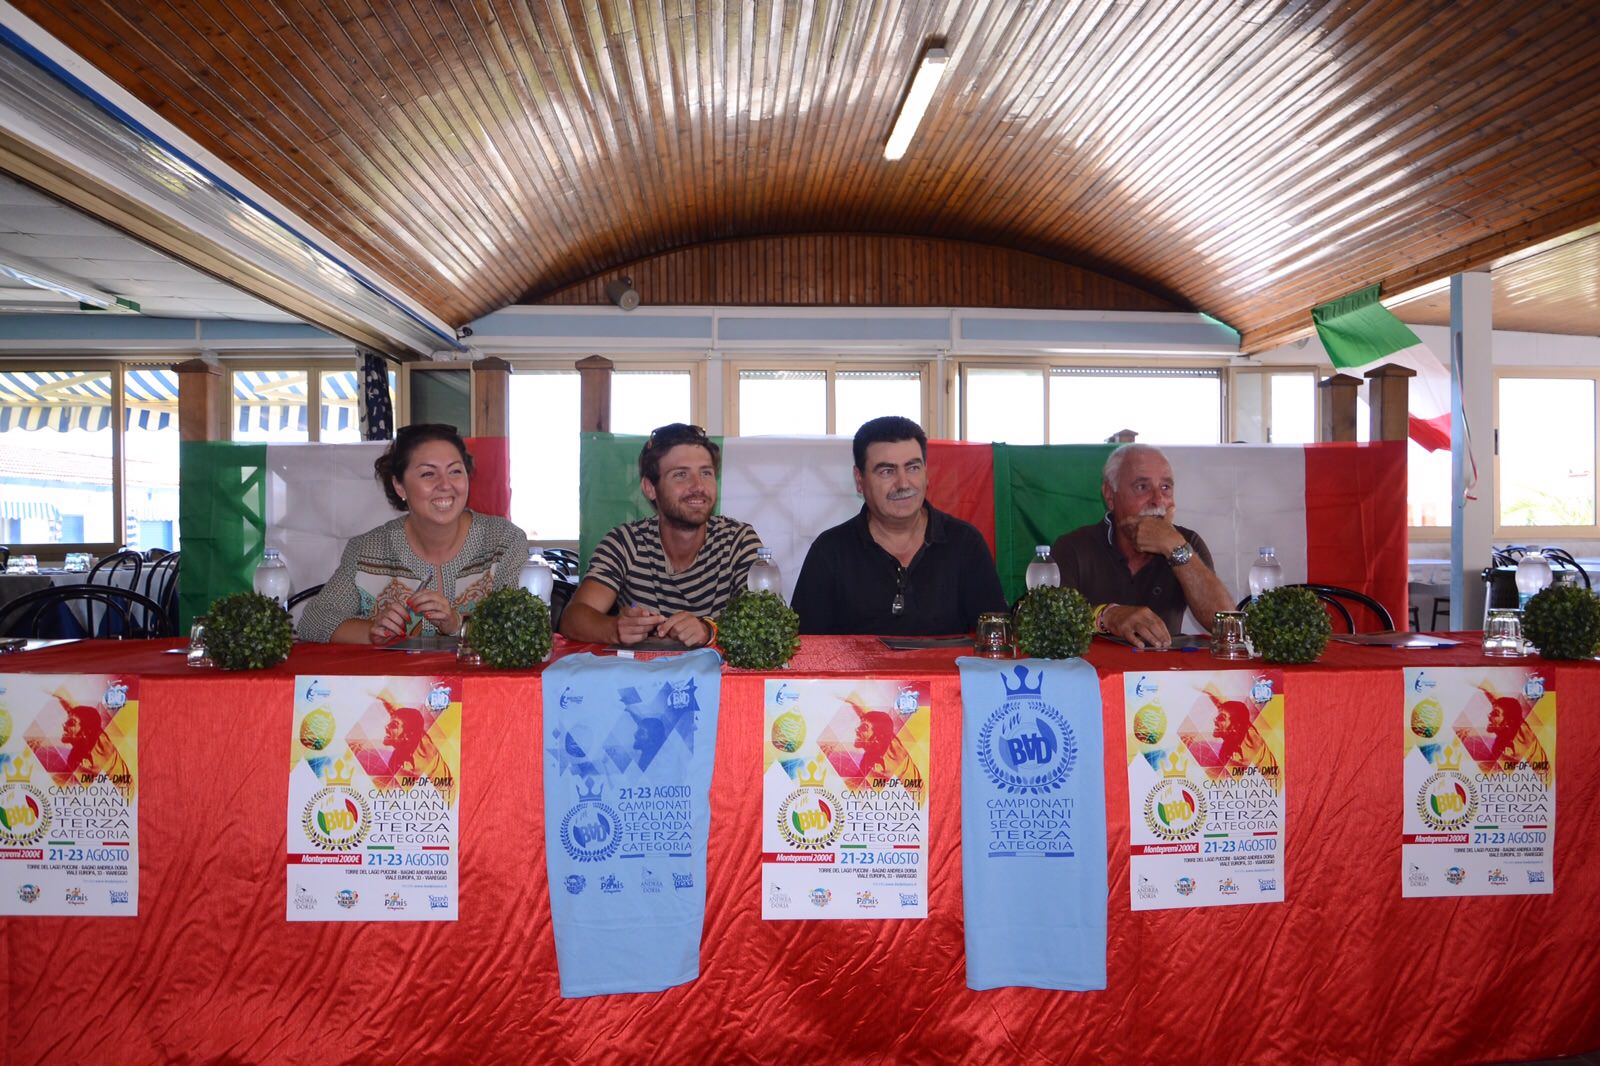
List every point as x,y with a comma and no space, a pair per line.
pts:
900,567
668,576
1138,568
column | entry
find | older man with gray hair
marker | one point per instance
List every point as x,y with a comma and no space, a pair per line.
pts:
1139,569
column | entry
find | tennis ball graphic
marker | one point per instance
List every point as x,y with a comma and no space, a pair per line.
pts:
788,732
316,730
1149,724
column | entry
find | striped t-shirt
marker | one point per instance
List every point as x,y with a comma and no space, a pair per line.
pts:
631,561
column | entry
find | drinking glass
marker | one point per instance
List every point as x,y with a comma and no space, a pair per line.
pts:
197,646
995,637
1502,633
30,564
466,654
1227,636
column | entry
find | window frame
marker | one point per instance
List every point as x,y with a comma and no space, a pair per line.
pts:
922,363
314,366
1266,372
117,367
957,384
1522,534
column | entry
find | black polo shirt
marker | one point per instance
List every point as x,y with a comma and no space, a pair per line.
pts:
1090,562
848,583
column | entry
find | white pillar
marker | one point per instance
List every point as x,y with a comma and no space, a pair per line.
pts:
1471,427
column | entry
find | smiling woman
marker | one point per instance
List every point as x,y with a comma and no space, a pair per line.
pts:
419,574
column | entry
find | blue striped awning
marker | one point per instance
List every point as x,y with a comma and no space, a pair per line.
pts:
68,400
65,400
20,509
276,399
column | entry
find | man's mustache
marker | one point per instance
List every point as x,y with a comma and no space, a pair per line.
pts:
1154,512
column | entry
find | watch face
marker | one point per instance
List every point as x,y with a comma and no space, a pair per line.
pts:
1181,555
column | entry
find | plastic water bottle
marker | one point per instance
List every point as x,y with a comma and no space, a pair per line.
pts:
537,576
1533,576
1043,570
764,575
272,578
1265,573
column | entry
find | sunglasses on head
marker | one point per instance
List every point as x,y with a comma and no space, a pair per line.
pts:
678,433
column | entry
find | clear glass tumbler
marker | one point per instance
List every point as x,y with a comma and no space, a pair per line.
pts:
1502,634
1227,636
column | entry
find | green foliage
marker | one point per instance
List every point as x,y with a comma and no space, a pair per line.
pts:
1563,622
247,631
510,629
1288,625
758,631
1054,623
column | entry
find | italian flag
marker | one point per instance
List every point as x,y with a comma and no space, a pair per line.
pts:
1359,333
1336,513
305,499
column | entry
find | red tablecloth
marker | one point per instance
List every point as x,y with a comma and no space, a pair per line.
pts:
1345,971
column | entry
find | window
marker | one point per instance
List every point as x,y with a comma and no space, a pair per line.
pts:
269,403
1163,406
1274,406
641,400
830,398
1547,451
778,402
545,410
67,479
1428,478
1003,404
1084,405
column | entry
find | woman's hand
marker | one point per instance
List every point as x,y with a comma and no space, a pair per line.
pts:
389,623
432,605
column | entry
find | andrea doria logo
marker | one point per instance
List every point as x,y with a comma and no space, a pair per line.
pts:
1026,745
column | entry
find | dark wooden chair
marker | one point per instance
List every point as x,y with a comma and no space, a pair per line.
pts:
161,583
86,611
109,571
1340,600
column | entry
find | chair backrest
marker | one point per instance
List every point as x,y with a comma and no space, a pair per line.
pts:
86,611
108,570
161,583
565,560
1564,558
300,597
1339,600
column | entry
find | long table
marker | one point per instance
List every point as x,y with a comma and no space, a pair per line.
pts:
1344,971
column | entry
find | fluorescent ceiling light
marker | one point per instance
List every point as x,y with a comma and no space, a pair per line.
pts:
916,105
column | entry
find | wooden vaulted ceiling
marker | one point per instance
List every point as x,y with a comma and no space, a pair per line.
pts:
1242,157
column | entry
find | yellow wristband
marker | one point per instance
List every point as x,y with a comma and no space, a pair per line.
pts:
712,622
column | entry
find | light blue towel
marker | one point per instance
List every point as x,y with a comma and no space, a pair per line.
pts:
628,752
1033,824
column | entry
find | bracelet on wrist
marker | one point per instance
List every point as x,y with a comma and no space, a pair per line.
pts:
711,624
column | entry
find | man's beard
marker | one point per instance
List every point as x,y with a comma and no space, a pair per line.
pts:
674,515
1154,512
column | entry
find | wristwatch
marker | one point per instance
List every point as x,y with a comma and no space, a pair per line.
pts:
1181,554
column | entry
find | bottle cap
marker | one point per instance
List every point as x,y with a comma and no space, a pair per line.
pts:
270,553
1042,548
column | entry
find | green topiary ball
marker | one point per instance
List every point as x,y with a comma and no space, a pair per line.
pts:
758,631
1288,625
247,631
1563,622
1054,623
510,629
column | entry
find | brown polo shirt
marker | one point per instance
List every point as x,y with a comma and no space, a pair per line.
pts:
1090,562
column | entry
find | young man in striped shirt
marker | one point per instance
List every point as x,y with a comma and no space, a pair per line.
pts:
668,576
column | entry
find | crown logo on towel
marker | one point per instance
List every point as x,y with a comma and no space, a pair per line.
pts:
1022,688
1175,765
816,772
21,770
342,772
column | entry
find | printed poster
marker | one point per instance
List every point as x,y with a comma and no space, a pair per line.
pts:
374,789
69,797
1205,787
1480,782
844,830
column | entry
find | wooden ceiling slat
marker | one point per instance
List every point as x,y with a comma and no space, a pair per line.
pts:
1247,158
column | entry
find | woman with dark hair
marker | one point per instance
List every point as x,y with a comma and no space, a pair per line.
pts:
418,574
